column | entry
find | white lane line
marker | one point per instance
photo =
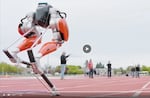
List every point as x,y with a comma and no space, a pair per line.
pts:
73,87
109,83
117,92
138,92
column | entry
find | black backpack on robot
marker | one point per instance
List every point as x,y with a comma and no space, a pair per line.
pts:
42,16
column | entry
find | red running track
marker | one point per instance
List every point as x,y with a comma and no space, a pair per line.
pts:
76,87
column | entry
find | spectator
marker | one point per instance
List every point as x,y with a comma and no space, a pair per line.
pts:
109,69
133,71
63,64
90,66
137,71
86,71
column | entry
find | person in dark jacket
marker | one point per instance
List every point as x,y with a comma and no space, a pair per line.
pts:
63,64
109,69
137,71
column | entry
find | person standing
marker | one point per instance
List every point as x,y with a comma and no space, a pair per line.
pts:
133,69
137,71
86,70
63,64
109,69
90,66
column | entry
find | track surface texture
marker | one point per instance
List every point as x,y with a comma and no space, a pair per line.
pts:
76,87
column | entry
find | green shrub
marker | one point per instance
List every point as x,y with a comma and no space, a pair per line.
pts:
70,69
7,68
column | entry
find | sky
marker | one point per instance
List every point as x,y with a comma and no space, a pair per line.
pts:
117,30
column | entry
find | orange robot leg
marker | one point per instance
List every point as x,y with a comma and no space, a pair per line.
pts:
27,43
48,48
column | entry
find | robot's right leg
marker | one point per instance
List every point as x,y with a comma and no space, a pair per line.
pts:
34,65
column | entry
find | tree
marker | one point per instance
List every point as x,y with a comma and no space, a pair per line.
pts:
99,65
145,68
122,70
7,68
70,69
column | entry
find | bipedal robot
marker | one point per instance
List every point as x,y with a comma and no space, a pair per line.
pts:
45,17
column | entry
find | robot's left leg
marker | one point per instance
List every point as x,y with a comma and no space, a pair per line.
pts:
37,71
12,59
27,43
48,48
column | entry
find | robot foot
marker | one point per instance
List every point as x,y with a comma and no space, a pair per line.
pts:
12,59
55,92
